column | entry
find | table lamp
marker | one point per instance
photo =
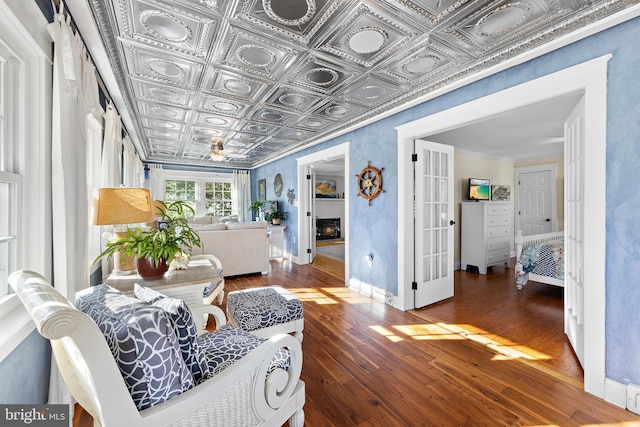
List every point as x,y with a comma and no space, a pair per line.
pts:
118,207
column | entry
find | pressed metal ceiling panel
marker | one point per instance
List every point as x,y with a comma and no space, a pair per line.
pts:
265,77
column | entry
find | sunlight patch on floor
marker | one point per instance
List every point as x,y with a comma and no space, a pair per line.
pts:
427,331
348,295
387,333
312,295
504,349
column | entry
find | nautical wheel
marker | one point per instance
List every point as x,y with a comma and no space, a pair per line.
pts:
370,182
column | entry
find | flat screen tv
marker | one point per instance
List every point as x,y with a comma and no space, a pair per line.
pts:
479,189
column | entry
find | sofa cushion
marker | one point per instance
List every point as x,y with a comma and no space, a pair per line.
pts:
247,225
200,220
142,340
183,326
226,345
209,227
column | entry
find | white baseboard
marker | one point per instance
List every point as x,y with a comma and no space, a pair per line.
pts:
372,291
626,396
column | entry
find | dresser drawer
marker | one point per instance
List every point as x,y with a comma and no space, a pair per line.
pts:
497,220
497,243
501,231
498,210
501,255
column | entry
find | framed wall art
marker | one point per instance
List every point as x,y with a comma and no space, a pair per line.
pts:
326,189
262,189
500,192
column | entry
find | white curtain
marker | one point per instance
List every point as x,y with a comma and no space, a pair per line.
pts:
111,149
241,194
132,171
73,79
156,182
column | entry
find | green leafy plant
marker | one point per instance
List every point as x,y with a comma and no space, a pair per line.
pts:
172,236
276,214
256,205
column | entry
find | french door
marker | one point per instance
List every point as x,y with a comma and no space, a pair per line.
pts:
433,229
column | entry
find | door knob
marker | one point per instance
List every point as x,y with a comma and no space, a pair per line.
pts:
452,222
547,220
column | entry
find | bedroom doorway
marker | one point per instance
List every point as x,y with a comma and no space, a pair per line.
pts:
589,79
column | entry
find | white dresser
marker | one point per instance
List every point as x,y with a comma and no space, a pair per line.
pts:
485,234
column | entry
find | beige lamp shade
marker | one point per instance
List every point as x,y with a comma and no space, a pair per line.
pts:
121,205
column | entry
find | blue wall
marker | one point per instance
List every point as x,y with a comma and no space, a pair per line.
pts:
25,372
374,229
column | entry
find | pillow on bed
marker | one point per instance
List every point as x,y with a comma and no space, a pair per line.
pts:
184,328
142,340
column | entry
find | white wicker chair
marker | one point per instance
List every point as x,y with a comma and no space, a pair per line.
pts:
243,394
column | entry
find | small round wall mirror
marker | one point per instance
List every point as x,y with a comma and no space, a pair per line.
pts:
278,185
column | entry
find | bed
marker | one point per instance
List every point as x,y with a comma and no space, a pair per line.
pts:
540,258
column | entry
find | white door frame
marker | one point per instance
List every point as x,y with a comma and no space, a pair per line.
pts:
590,78
553,190
340,150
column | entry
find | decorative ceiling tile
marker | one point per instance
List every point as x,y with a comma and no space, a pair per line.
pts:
224,106
224,83
321,76
165,25
500,22
299,20
367,35
337,110
160,67
371,91
155,92
163,112
160,124
208,120
293,99
269,76
251,53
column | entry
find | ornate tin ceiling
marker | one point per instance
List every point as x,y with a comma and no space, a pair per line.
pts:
267,76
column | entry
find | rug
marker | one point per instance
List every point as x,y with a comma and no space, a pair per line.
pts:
332,251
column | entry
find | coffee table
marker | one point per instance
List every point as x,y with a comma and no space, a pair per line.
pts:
187,285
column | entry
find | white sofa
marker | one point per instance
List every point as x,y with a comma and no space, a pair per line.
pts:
241,247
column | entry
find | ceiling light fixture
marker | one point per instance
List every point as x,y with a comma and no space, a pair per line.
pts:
217,154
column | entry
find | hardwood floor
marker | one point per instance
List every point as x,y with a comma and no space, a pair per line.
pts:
468,361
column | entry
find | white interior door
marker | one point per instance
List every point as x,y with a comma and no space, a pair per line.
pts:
311,212
535,202
433,249
574,232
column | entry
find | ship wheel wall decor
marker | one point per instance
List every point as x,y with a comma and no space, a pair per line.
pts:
370,182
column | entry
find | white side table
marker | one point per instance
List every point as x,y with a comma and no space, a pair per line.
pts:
187,285
277,248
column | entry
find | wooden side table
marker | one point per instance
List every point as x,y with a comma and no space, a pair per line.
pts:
187,285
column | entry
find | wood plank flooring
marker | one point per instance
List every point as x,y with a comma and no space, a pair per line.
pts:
457,363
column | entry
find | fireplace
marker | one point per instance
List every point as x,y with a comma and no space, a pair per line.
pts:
327,228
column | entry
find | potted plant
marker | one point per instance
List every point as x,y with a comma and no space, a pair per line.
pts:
256,207
154,248
276,215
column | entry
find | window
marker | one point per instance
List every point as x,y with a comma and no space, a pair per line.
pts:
218,198
9,180
208,194
181,190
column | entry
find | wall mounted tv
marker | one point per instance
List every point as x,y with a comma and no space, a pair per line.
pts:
479,189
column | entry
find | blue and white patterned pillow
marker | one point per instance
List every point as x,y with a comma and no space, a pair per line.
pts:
226,345
142,340
184,327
